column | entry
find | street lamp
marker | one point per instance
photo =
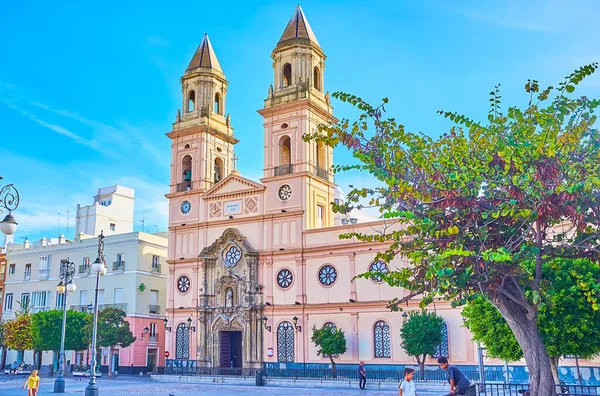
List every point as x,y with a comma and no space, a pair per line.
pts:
9,200
66,286
100,269
295,320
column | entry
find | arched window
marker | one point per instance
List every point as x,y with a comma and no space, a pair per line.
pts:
317,78
186,169
229,298
285,150
182,342
191,101
287,75
285,342
219,170
381,338
442,349
217,103
321,155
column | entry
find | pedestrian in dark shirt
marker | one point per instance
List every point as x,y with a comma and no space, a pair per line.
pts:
458,382
362,376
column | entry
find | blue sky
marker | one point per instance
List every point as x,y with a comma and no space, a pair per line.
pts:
88,89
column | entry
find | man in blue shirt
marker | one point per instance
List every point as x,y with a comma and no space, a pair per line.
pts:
458,382
362,376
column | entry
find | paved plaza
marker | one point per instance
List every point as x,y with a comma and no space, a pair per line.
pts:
143,386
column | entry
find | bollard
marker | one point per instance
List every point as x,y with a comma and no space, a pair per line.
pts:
259,378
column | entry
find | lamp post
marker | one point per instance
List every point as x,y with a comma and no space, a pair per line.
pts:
100,269
9,200
66,286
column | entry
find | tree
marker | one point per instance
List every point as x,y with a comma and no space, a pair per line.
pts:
568,325
2,347
47,331
113,330
421,335
471,207
330,342
17,333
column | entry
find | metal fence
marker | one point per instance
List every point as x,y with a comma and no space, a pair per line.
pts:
523,390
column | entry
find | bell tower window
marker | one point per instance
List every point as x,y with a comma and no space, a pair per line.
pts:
317,78
287,75
217,108
191,101
285,150
219,170
186,168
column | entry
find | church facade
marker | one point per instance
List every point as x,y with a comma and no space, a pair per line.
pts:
254,265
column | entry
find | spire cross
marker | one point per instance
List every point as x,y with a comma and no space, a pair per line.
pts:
235,159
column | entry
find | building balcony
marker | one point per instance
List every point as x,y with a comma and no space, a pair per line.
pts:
39,309
154,309
119,266
184,186
101,307
84,269
2,276
153,338
283,170
44,273
27,276
322,173
156,268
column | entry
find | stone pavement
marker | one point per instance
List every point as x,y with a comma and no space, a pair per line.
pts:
125,386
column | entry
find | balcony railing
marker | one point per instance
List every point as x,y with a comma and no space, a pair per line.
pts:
2,276
39,309
155,267
283,170
27,275
84,269
154,309
118,265
101,307
322,173
153,338
44,273
184,186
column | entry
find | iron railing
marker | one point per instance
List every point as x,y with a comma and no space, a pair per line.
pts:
523,390
154,309
84,269
101,307
44,273
27,275
156,268
184,186
153,338
118,265
322,173
190,367
283,170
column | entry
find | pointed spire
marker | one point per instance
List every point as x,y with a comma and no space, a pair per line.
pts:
205,56
298,28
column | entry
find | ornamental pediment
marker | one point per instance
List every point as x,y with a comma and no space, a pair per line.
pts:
233,185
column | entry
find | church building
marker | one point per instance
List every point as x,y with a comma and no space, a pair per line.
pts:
254,265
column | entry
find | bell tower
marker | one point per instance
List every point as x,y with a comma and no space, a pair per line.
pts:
202,136
299,172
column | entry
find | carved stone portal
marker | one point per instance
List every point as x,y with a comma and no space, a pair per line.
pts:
230,305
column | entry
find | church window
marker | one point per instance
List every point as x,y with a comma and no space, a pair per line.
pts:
442,349
182,342
219,170
378,266
232,255
287,75
191,101
285,278
217,103
285,150
186,167
317,78
320,212
327,275
381,333
285,342
229,298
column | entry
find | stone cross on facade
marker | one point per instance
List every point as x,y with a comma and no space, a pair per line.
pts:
235,159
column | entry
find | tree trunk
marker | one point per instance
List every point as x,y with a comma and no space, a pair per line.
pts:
578,372
526,332
110,353
421,363
554,366
333,369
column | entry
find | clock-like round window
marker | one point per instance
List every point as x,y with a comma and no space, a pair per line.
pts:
185,207
232,255
378,266
183,284
284,278
327,275
285,192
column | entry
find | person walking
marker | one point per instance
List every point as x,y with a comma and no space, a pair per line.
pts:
407,387
362,376
458,382
32,383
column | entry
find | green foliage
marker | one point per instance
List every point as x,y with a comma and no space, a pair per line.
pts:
47,330
329,342
472,206
567,322
421,335
2,337
17,332
113,329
